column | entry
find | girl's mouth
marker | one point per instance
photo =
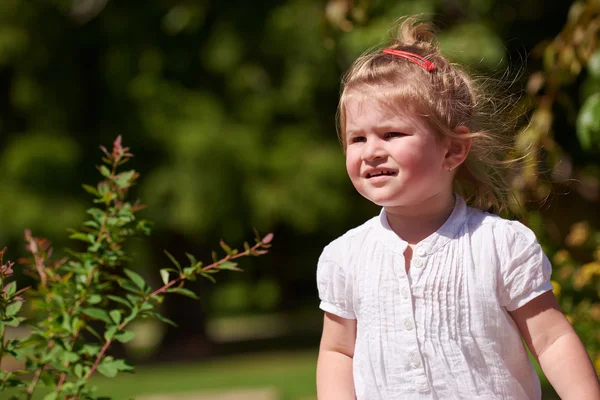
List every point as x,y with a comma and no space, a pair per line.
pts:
380,173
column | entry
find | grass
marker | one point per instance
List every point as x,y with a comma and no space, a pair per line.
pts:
292,374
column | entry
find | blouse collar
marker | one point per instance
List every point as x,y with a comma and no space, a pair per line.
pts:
433,242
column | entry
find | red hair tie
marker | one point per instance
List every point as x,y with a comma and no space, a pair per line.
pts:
417,59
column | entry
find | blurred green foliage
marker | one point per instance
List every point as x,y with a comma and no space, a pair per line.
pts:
229,107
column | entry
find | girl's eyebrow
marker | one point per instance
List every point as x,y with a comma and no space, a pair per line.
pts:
382,128
395,127
350,134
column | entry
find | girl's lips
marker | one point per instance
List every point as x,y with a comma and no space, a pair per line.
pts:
379,173
380,178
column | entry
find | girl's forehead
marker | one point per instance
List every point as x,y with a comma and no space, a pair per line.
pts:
362,108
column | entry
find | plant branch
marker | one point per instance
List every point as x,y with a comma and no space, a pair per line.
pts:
209,267
34,381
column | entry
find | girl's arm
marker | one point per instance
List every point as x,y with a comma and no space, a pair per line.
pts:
556,346
334,367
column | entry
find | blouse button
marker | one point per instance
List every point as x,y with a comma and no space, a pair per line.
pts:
421,253
405,292
408,324
415,361
418,263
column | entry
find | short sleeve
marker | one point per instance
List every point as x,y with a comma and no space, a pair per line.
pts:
334,285
525,270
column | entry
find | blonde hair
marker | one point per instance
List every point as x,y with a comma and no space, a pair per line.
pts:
447,98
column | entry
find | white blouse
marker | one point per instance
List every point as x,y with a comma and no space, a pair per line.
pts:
442,330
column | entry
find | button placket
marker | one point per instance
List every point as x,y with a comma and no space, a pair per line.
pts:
419,259
418,266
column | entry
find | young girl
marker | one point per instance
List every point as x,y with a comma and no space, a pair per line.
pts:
432,298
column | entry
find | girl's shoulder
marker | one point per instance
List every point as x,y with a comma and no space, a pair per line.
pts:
503,231
349,240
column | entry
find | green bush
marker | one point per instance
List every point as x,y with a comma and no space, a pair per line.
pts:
84,303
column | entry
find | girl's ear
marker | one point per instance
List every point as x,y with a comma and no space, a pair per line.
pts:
458,149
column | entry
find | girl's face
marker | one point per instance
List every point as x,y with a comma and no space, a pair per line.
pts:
394,159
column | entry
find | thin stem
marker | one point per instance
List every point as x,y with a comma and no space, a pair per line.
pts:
102,351
39,371
34,382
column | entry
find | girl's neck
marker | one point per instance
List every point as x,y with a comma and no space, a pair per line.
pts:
416,222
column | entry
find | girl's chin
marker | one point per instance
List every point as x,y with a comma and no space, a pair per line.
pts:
384,201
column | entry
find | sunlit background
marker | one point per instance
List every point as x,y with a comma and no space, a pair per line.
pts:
229,108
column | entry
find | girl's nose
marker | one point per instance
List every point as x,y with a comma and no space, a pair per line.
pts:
373,150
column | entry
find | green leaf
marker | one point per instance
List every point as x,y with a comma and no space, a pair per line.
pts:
128,286
115,315
91,350
110,332
125,336
136,278
104,171
192,259
189,270
110,368
94,248
122,180
92,224
164,274
93,332
119,300
81,236
226,247
164,319
76,324
66,322
184,292
173,260
208,276
13,321
145,227
13,308
78,370
94,299
51,396
69,356
90,189
133,298
10,289
96,213
230,266
97,313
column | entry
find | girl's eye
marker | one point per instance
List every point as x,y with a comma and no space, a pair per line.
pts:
358,139
390,135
